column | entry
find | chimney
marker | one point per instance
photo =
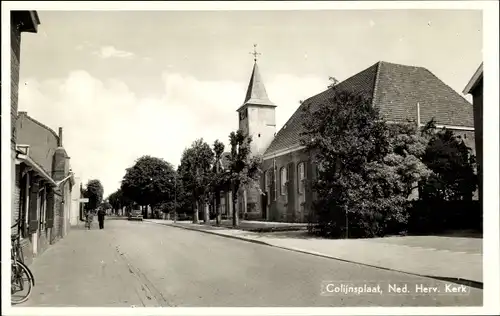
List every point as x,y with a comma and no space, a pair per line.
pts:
60,144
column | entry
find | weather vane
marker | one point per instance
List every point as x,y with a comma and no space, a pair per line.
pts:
254,53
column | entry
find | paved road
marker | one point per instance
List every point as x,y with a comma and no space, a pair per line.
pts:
177,267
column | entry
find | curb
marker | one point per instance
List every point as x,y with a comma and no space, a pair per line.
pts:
213,233
466,282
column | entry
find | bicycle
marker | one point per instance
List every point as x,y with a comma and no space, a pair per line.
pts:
21,276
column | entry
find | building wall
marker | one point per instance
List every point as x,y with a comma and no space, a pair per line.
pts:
262,127
15,52
16,192
43,140
478,126
289,205
66,208
75,203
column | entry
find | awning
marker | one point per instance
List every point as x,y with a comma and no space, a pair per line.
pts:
37,168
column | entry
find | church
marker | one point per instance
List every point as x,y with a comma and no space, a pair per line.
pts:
402,93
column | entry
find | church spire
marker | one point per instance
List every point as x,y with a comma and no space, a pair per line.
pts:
256,92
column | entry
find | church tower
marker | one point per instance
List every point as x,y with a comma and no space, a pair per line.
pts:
257,114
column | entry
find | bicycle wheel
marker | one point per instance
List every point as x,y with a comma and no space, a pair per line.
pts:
21,282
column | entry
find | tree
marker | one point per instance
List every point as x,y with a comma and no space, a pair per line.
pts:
244,170
195,173
149,182
184,197
118,200
453,165
218,183
367,168
94,192
105,205
115,200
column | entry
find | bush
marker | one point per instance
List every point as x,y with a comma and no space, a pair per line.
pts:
438,216
367,167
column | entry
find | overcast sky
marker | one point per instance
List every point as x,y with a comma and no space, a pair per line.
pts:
127,84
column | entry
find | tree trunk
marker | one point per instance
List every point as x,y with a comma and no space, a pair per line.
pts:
195,213
207,213
235,210
217,208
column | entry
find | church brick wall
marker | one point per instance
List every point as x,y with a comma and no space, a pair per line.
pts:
291,206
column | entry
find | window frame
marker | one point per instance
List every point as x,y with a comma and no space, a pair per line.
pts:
275,186
283,171
42,204
268,183
301,176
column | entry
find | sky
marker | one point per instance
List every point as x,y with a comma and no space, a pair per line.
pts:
125,84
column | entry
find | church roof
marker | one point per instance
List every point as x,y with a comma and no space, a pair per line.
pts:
476,78
396,90
256,92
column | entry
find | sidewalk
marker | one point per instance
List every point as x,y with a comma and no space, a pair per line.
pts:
443,262
85,270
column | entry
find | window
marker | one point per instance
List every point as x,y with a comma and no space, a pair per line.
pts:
284,180
267,183
301,177
41,209
223,209
275,187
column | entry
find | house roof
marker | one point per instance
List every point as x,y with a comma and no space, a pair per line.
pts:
256,91
476,78
396,90
27,21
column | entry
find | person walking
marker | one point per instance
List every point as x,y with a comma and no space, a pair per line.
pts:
90,217
101,213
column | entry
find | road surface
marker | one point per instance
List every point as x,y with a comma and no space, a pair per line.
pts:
146,264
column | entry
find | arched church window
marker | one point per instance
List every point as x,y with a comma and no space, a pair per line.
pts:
267,182
301,177
284,180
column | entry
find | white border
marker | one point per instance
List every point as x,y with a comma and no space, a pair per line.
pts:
491,149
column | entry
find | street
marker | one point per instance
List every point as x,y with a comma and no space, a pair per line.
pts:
145,264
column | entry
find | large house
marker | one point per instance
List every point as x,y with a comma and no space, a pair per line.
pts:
20,22
41,177
44,184
475,87
403,93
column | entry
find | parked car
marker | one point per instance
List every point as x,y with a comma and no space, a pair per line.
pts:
135,215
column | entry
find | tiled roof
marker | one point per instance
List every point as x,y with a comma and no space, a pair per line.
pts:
256,92
396,90
476,78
